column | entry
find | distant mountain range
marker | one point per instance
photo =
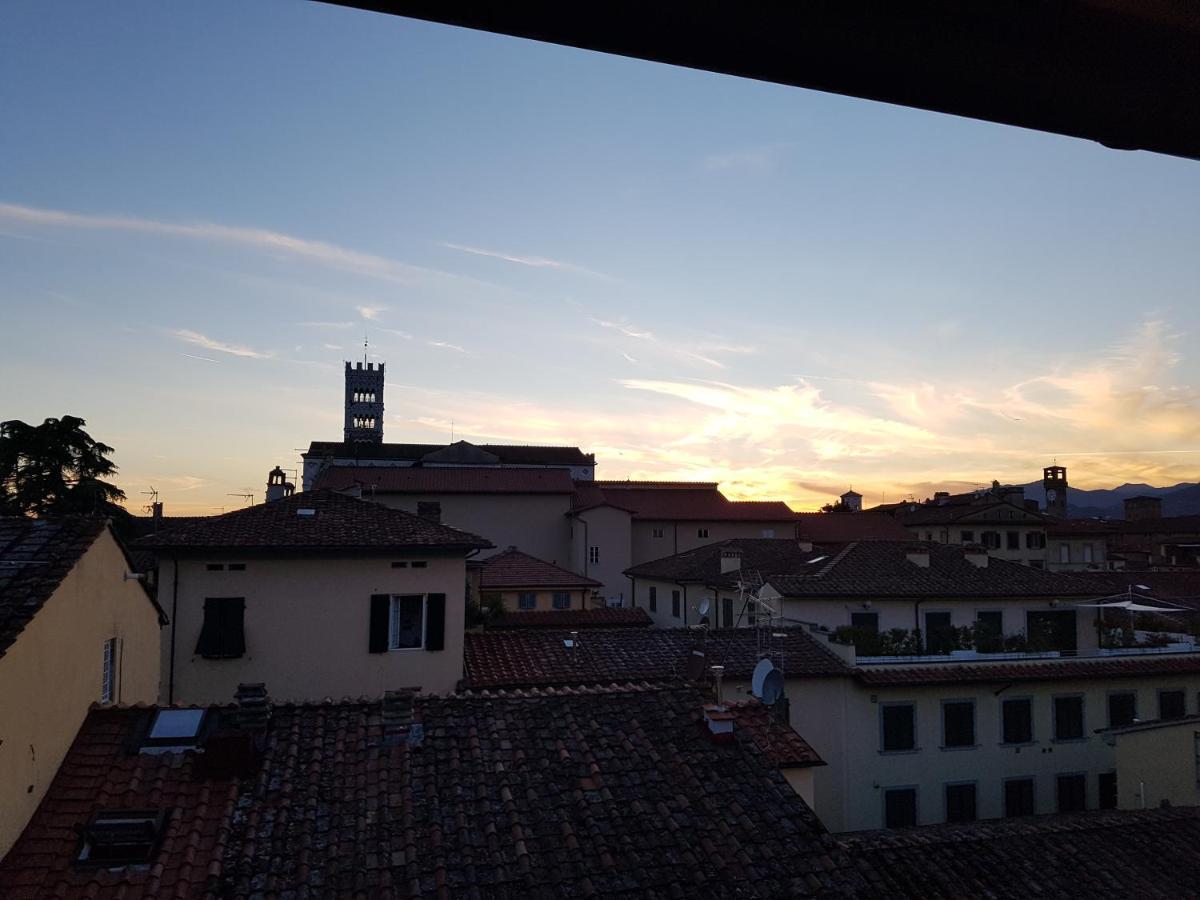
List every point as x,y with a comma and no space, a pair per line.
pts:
1181,499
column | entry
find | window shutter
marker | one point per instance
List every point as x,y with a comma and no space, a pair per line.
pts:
435,624
380,613
233,628
210,632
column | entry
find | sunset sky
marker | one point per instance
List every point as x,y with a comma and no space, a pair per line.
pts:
204,208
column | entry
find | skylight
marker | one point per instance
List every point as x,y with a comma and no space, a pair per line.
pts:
176,725
114,839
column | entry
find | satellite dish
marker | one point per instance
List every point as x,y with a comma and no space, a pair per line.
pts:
1142,587
704,607
693,665
772,687
764,668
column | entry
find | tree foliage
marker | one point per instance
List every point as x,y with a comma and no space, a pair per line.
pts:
56,469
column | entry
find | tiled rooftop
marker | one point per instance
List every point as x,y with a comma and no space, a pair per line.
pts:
593,617
35,556
507,454
514,569
840,528
775,737
615,794
1143,854
768,556
985,510
420,480
1108,667
316,520
542,657
684,501
882,569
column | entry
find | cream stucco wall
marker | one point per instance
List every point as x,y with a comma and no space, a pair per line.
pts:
841,720
607,529
678,537
1157,766
53,673
952,534
533,523
1081,554
544,600
307,624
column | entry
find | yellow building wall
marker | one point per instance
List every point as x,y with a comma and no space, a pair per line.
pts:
53,673
543,599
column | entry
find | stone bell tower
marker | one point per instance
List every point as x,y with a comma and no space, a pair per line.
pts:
1054,480
364,403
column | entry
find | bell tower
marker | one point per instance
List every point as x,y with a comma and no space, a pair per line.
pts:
1054,480
364,403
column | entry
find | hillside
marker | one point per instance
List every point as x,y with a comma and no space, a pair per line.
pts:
1181,499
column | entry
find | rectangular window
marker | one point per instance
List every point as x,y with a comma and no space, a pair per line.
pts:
653,599
898,724
865,627
991,539
958,723
1017,721
960,803
1068,718
656,532
562,600
1013,540
593,555
968,537
1064,553
939,635
727,612
701,532
108,674
420,564
526,600
900,807
1018,797
215,567
113,839
237,567
1171,705
223,634
989,631
1106,789
1072,793
1122,708
768,532
406,623
1087,553
675,604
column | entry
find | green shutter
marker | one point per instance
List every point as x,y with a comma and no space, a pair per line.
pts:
233,628
210,632
380,614
435,625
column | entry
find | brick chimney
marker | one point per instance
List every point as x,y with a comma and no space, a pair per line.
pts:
156,513
731,560
398,715
940,497
720,723
253,706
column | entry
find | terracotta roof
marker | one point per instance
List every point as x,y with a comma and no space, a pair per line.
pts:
774,736
687,501
507,454
541,657
421,480
1082,527
616,794
1144,853
882,569
337,522
839,528
999,511
514,569
35,556
769,556
1181,588
594,617
1108,667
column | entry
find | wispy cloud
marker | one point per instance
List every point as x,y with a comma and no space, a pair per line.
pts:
626,329
628,358
444,345
193,356
202,340
322,252
397,332
757,159
371,312
535,262
681,349
333,346
338,325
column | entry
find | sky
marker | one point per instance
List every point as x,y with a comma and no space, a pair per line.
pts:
206,208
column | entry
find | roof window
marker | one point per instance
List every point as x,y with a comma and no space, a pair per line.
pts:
174,731
306,511
127,838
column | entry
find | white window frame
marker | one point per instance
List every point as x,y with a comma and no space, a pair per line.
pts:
108,674
394,620
594,555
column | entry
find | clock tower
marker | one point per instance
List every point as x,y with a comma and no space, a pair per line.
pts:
1054,480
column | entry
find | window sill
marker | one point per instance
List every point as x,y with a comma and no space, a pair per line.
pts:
403,649
1078,740
960,747
1018,744
899,752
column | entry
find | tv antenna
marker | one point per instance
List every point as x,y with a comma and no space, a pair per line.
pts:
248,497
364,349
153,495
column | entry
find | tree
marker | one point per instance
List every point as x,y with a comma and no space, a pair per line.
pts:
839,507
55,469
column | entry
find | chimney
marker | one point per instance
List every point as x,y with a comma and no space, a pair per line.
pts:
720,723
731,560
918,556
253,706
806,545
398,725
276,485
976,555
430,509
156,512
940,497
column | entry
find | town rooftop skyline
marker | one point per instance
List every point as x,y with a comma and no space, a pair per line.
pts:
692,276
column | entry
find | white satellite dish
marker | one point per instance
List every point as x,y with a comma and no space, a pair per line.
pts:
764,668
772,687
704,607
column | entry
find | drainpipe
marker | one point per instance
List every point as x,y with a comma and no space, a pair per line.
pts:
917,625
587,547
632,592
684,601
174,625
